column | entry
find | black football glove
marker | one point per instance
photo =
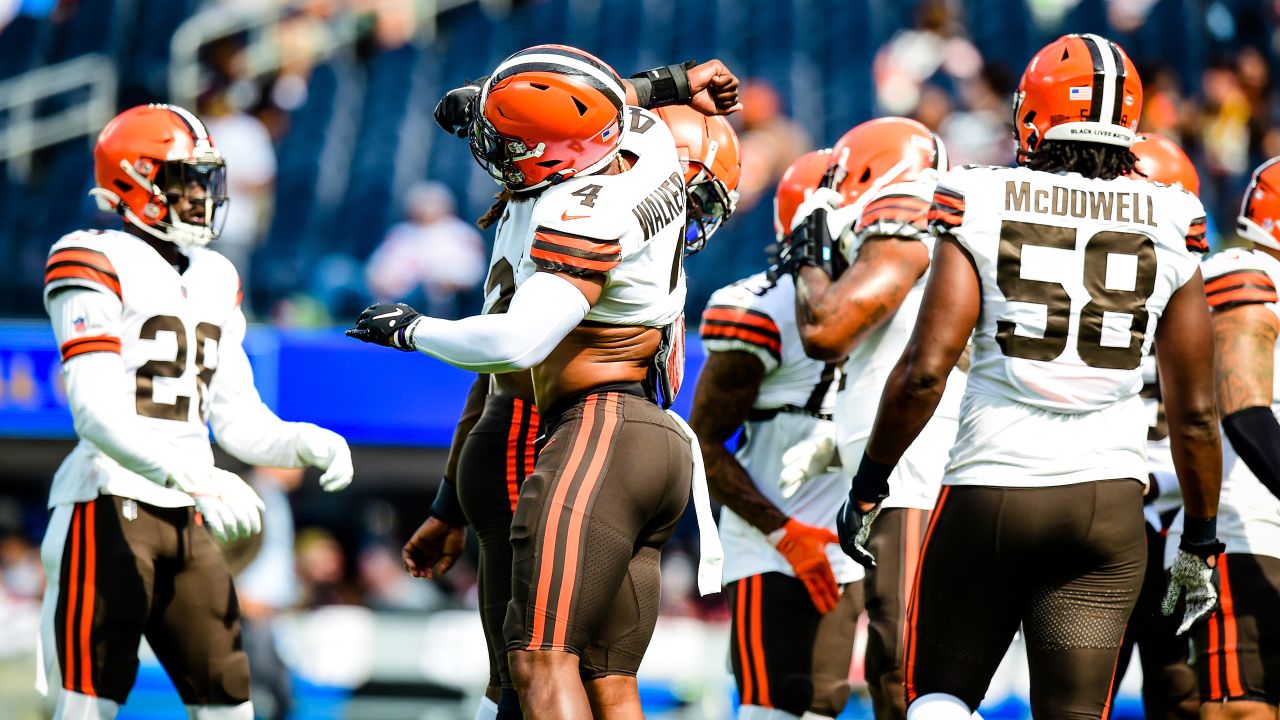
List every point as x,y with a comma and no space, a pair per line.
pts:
810,243
870,484
386,324
453,112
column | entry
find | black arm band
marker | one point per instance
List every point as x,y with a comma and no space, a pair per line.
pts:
446,507
1200,537
1255,436
871,482
667,85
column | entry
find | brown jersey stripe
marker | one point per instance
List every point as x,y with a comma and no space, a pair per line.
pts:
746,318
1223,301
559,262
744,652
938,216
577,242
94,343
751,337
79,271
713,325
577,253
895,215
1238,278
84,255
1197,243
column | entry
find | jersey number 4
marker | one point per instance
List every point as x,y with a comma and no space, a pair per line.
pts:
145,402
1015,235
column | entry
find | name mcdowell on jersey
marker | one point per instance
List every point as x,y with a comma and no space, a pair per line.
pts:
1106,205
661,206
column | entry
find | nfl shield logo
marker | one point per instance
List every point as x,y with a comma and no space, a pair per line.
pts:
79,324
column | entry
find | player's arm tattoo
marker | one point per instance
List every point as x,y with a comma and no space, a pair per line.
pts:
727,389
1245,339
470,416
835,316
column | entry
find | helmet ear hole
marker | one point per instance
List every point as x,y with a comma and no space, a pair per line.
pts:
122,185
582,108
866,175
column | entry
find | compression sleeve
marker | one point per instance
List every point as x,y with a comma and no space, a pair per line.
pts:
1255,436
87,326
543,311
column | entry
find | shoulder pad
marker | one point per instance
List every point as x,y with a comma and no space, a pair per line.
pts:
81,259
1237,277
899,210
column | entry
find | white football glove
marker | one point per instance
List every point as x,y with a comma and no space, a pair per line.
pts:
1192,576
807,459
231,509
327,450
819,198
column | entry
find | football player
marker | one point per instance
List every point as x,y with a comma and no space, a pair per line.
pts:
494,443
1064,271
149,325
1238,649
794,597
598,197
884,176
1168,683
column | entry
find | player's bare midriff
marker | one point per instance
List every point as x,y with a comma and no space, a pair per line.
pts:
514,384
595,355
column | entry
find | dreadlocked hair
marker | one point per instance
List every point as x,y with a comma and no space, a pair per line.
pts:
495,210
1090,159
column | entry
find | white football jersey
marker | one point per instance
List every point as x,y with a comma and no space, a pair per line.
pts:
797,395
627,226
1075,273
899,210
1248,514
1158,510
167,328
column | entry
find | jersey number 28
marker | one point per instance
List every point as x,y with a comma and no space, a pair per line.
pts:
1015,235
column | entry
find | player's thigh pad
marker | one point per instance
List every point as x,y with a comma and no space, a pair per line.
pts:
195,626
612,478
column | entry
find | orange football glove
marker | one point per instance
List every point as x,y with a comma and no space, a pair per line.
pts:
804,546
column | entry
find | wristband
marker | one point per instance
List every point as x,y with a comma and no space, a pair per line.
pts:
667,85
446,507
1200,537
871,482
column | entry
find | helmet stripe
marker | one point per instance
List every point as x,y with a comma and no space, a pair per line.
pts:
575,54
1122,74
198,130
1095,102
1105,76
606,83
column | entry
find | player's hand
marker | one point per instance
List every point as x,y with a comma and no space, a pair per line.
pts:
807,459
231,509
811,241
386,324
853,524
433,549
714,88
804,546
822,198
327,450
1192,574
453,112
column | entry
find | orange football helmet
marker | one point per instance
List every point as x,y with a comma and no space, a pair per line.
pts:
1078,87
147,159
803,176
883,151
548,113
709,153
1259,218
1161,160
